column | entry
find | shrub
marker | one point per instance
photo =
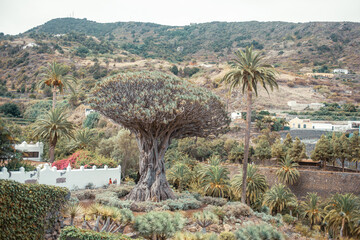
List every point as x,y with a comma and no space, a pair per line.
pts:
287,218
25,209
237,209
218,211
259,232
121,190
72,232
84,158
15,164
91,120
269,218
161,225
214,201
195,236
83,194
227,236
10,109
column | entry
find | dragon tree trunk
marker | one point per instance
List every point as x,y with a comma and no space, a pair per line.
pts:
152,185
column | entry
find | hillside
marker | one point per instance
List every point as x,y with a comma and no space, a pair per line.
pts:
92,51
292,46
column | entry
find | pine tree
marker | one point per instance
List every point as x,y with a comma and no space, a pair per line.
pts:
277,149
295,151
322,151
335,147
263,149
288,143
303,152
355,149
344,150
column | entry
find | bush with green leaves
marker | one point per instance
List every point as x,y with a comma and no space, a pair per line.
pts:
227,236
237,210
195,236
159,225
91,120
25,209
40,108
259,232
72,232
277,219
216,201
10,109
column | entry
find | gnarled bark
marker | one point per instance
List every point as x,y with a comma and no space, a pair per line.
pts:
152,185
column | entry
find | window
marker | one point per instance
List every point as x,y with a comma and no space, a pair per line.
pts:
31,154
304,125
299,125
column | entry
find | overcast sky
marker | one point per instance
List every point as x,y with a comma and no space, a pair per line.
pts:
17,16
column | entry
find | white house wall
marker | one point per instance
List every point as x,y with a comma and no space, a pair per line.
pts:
69,178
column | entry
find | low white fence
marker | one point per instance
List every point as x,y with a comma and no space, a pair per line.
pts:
69,178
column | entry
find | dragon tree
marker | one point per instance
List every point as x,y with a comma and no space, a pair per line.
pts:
157,108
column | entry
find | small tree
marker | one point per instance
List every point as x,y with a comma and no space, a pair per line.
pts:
355,148
10,109
288,142
322,151
263,149
287,172
158,107
344,150
295,150
277,150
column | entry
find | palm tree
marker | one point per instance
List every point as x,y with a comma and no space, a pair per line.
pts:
53,126
287,172
278,198
216,181
256,184
83,139
249,71
54,77
311,209
179,175
343,212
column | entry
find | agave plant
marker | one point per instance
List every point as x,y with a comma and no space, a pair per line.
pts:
278,198
216,181
311,209
256,184
108,219
205,219
287,172
343,213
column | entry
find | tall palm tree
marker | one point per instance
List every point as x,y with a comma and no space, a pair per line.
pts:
278,198
311,209
287,172
343,212
249,71
256,184
54,77
53,126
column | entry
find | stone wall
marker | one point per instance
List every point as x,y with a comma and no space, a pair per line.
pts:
325,183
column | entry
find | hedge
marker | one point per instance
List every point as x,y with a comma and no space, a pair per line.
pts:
74,233
28,210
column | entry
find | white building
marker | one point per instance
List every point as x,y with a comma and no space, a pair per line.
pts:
339,70
235,115
88,111
31,151
29,45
